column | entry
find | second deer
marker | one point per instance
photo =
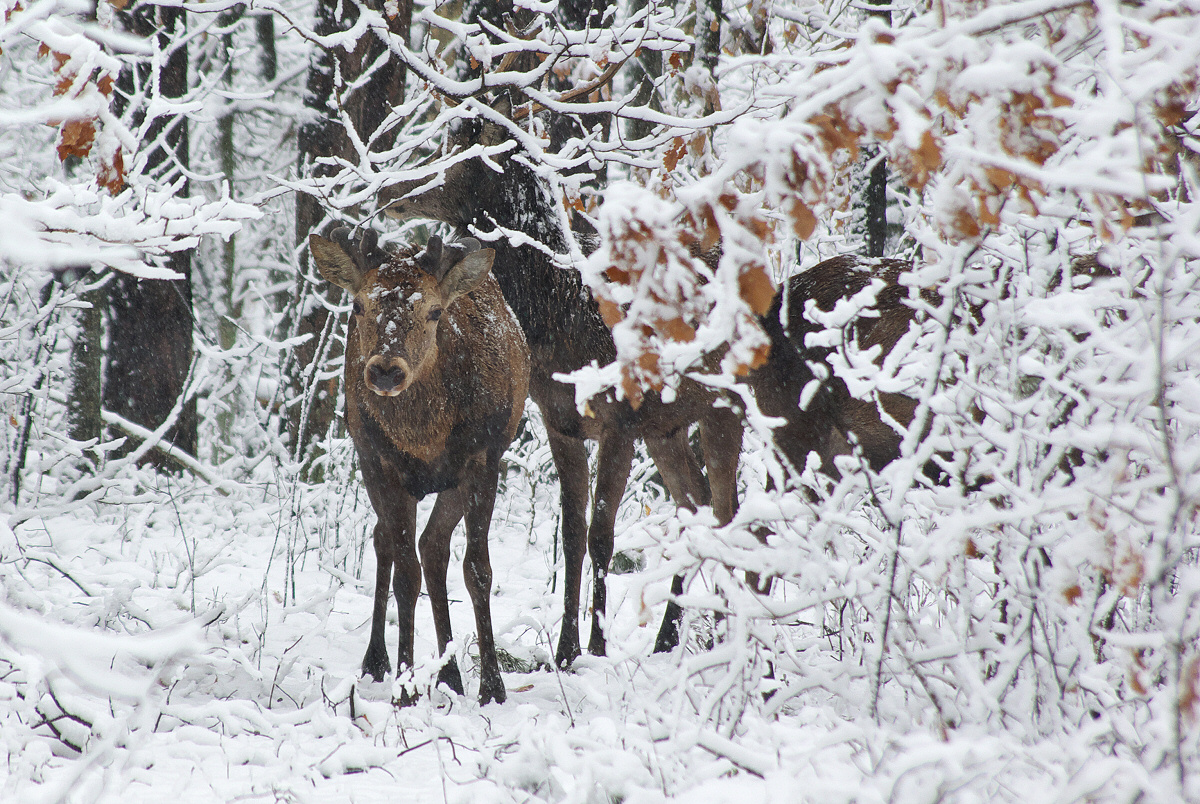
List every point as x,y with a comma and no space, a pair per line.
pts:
565,332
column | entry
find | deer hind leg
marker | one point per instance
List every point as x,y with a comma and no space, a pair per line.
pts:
681,473
570,460
721,443
477,571
435,561
612,474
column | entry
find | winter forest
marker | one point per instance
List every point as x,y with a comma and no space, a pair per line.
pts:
861,456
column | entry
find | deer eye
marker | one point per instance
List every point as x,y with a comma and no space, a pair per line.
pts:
358,308
435,313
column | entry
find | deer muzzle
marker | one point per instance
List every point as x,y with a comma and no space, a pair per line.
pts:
387,376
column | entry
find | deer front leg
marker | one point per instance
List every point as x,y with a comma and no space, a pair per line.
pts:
435,560
681,473
376,663
406,581
477,572
612,474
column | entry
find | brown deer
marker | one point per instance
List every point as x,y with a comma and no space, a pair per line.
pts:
565,332
437,371
833,419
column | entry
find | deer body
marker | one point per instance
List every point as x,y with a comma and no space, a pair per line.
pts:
565,332
436,376
825,424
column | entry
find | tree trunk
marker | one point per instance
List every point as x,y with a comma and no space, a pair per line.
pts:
647,68
83,404
232,308
264,28
150,321
876,193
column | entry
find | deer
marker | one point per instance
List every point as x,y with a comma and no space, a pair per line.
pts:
562,324
437,372
833,421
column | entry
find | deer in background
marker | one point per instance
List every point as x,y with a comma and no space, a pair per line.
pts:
565,332
437,371
826,424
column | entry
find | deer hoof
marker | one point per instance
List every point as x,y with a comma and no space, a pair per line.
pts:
450,676
492,689
375,664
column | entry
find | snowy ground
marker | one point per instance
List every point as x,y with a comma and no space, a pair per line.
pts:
166,638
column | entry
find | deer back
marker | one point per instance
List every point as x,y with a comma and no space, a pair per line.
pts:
832,413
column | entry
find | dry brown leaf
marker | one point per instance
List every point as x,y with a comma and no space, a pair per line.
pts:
758,358
756,289
965,225
674,154
1000,178
76,139
610,312
112,174
679,330
1189,693
617,275
804,222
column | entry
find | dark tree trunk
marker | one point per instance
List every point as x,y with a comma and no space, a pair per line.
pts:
268,64
150,321
314,398
876,195
578,15
231,308
647,68
83,404
876,209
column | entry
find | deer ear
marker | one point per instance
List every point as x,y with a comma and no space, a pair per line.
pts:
431,258
467,274
335,264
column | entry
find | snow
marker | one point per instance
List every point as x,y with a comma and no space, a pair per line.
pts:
216,657
1027,635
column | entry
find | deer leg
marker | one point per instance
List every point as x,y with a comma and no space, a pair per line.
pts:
681,472
570,460
376,663
406,580
612,473
477,571
435,561
721,443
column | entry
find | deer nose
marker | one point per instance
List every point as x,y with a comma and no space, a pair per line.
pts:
387,376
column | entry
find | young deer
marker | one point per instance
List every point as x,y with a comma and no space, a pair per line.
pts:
437,371
565,332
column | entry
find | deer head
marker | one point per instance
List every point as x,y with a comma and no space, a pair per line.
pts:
453,196
399,303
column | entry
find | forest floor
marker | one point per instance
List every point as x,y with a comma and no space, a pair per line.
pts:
199,648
